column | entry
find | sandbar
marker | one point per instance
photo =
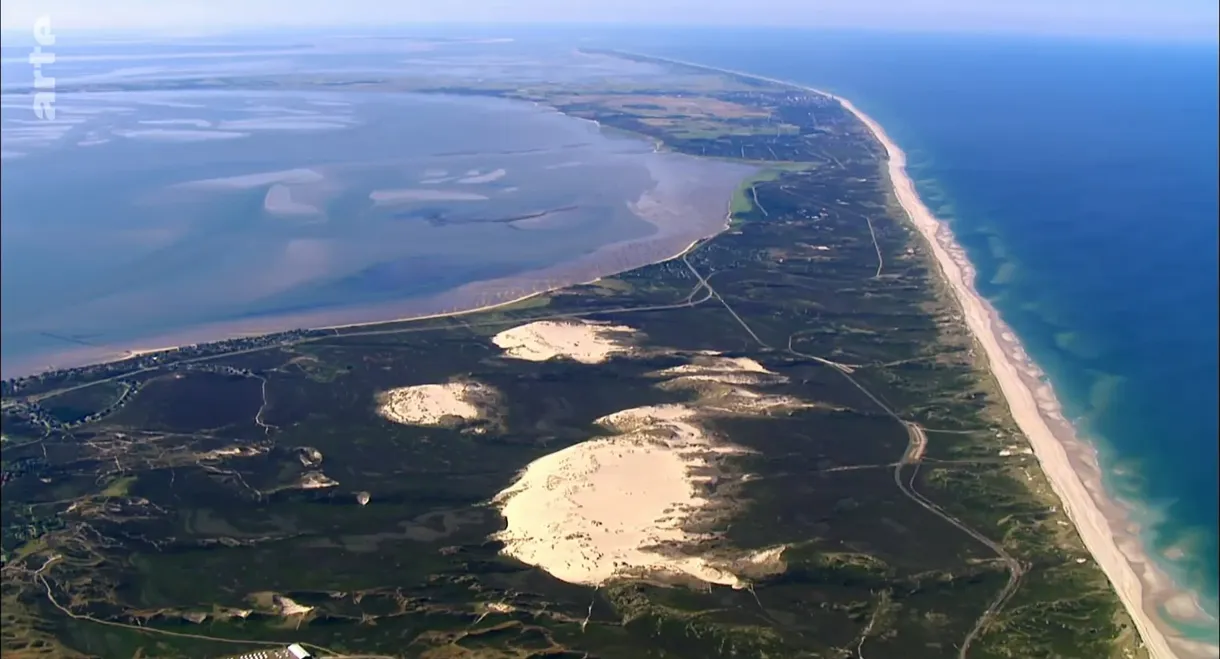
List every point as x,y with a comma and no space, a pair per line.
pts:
422,194
493,175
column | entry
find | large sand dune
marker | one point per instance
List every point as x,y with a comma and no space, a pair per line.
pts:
629,504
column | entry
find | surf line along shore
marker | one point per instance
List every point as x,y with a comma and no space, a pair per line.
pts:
1070,464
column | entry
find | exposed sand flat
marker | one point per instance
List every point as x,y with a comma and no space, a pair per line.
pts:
279,201
430,404
422,194
598,509
588,343
300,176
476,177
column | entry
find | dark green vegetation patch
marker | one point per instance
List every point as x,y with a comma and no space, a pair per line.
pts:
156,508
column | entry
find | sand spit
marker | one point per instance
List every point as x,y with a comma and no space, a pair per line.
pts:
1069,463
432,404
602,508
588,343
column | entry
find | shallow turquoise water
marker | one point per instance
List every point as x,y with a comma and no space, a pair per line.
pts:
1081,179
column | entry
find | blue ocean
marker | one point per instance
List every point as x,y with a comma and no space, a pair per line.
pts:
1081,177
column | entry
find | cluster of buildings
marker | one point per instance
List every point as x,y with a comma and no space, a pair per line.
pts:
293,651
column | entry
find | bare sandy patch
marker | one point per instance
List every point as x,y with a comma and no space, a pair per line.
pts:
479,177
279,200
431,404
736,401
605,507
274,602
716,368
588,343
641,502
316,480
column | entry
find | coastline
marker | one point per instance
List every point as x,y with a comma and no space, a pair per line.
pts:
473,290
668,211
1069,463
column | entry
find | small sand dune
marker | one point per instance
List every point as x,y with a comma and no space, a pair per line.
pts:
431,404
725,370
587,343
316,480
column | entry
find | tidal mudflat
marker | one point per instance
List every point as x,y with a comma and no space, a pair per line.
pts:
204,215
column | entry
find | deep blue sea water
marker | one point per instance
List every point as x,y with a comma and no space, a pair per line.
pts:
1081,177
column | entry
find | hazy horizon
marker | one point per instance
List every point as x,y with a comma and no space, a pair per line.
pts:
1192,20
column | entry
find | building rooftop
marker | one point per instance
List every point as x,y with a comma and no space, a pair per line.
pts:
293,651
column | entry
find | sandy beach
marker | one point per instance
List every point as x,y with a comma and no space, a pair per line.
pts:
1069,463
1105,525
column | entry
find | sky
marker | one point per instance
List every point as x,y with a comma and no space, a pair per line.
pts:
1158,19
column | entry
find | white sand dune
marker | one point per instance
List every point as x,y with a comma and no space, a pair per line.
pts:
430,404
588,343
315,480
624,506
724,370
599,509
